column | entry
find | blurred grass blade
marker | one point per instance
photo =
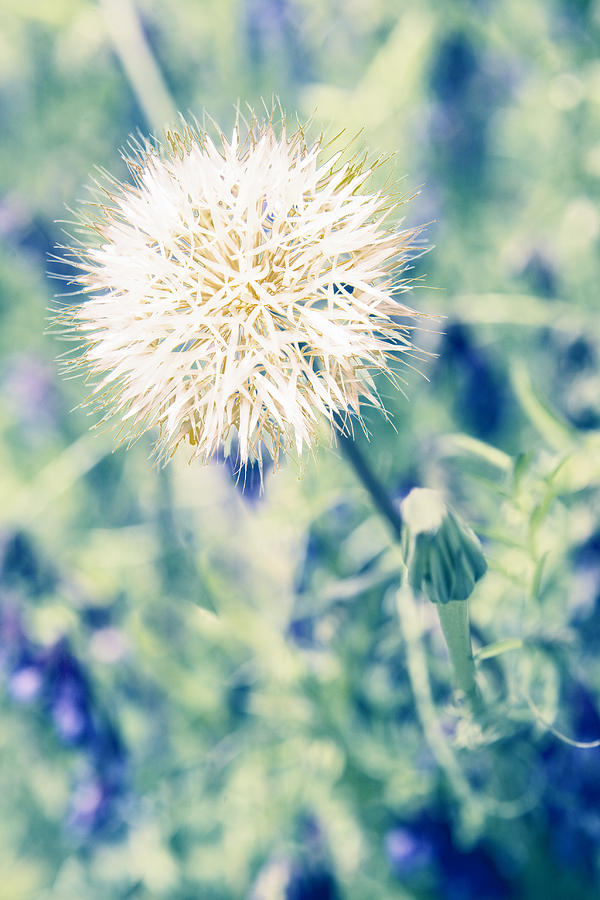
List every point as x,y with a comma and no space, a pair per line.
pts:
497,648
554,430
521,310
459,443
57,477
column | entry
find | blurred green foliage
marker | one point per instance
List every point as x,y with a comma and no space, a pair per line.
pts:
204,694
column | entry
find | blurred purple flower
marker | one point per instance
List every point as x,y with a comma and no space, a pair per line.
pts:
311,884
25,684
272,32
407,852
68,696
69,715
584,594
467,86
480,393
108,645
88,803
426,848
57,679
305,875
94,804
281,879
454,68
301,630
540,274
29,388
247,478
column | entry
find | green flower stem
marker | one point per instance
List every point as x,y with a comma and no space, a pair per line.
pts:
472,810
454,619
381,499
454,615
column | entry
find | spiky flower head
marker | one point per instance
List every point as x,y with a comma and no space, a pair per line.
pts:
237,292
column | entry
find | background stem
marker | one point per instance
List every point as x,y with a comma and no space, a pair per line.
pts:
145,78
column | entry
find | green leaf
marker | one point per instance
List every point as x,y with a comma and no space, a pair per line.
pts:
581,468
457,444
537,576
552,428
497,648
521,464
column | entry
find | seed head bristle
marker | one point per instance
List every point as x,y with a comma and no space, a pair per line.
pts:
237,293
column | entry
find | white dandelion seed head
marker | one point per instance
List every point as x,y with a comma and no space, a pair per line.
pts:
237,292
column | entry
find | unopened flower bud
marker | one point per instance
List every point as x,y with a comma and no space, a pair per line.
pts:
443,554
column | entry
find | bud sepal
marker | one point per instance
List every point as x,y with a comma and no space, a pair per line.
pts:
443,555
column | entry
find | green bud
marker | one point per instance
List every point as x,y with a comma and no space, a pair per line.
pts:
443,555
